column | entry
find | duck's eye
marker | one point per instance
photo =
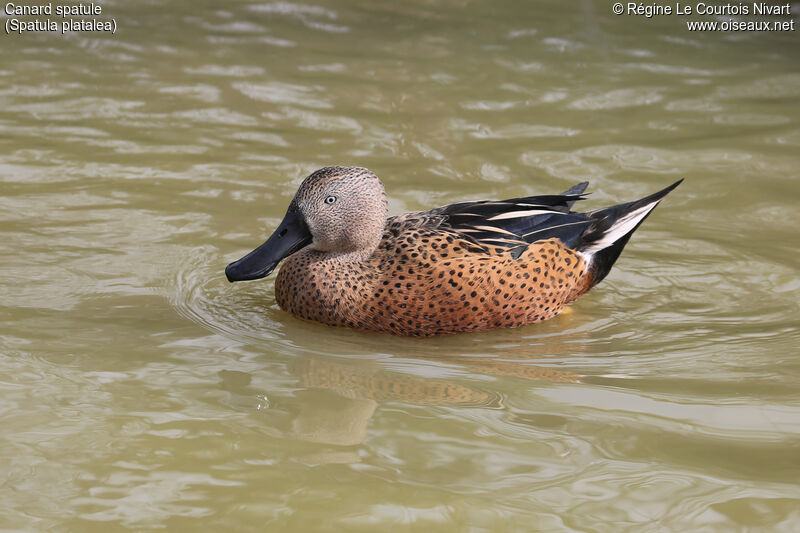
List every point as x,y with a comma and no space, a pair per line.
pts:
330,199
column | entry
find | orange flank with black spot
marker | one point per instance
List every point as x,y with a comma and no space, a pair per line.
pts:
464,267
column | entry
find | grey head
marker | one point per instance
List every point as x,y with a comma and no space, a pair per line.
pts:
339,210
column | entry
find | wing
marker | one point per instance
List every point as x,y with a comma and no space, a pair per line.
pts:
518,222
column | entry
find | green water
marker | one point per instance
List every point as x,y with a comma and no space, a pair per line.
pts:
139,390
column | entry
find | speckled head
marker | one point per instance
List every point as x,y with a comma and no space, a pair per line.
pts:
340,210
345,209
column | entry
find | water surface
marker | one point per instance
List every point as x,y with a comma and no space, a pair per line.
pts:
140,390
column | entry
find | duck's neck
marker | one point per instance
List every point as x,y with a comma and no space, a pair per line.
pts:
344,257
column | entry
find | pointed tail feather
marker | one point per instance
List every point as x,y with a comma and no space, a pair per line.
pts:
575,190
603,241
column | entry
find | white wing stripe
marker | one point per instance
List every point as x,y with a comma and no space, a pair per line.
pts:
528,213
494,230
553,227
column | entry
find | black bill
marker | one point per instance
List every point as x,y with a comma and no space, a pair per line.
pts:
291,235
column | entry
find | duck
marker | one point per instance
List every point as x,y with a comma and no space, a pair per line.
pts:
468,266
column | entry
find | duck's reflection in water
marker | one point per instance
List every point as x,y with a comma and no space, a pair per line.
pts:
339,396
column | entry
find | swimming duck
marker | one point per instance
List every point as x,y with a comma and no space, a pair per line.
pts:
463,267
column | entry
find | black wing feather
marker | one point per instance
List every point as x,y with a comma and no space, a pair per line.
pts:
517,222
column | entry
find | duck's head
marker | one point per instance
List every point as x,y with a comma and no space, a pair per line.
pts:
341,210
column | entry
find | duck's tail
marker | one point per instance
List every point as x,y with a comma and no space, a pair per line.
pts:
603,241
